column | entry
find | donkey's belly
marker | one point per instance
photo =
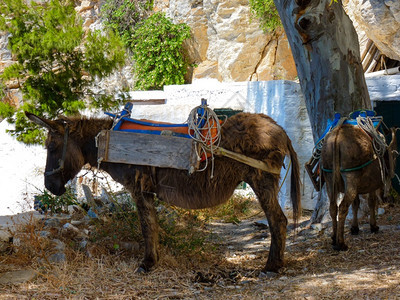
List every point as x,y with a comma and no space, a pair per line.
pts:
194,191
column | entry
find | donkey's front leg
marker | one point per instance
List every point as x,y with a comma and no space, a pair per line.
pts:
265,190
149,226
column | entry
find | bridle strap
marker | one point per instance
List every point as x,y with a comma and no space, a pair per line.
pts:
64,153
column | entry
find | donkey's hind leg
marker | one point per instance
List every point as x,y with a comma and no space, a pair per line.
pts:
149,226
266,191
349,196
148,221
354,225
372,203
333,207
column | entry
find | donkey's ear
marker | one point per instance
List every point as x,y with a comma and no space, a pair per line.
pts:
48,124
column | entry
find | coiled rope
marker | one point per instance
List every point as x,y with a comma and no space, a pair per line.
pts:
378,139
378,142
205,129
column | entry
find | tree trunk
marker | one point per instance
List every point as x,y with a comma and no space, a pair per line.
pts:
326,51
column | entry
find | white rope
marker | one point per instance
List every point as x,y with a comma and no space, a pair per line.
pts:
204,135
378,139
378,143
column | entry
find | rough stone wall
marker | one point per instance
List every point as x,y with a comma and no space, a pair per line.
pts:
226,45
380,21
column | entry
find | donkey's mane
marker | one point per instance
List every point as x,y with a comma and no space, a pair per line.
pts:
83,127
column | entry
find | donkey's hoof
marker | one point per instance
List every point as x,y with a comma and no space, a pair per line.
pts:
272,267
374,229
354,230
340,247
140,270
144,268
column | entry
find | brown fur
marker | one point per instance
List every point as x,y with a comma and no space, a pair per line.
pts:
347,147
254,135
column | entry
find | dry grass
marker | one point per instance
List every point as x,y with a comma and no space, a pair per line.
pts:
221,268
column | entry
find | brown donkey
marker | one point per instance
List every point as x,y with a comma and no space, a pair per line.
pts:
71,144
350,166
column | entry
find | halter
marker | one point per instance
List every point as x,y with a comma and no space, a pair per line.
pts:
64,153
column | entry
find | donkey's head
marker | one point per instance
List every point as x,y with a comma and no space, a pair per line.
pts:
64,155
392,153
390,162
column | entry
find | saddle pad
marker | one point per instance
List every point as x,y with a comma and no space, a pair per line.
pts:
376,120
153,127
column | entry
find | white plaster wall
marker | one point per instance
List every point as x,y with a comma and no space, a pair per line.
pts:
21,173
21,166
282,100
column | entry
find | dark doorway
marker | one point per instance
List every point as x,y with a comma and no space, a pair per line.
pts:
390,111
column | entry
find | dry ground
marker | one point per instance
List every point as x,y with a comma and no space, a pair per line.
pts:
226,267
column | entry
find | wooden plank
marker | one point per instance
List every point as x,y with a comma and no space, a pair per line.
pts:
247,160
148,150
148,101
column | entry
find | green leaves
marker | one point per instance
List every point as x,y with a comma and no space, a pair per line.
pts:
267,14
156,43
157,51
57,60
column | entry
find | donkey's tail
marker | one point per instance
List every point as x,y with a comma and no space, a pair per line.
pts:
336,166
295,183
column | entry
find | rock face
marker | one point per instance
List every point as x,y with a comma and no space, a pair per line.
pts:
380,20
228,44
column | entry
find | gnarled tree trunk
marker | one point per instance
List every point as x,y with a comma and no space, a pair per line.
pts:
326,51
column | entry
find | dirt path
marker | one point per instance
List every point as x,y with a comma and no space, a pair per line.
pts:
229,268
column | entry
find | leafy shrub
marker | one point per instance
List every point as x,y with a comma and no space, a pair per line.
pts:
56,60
123,15
155,41
267,14
46,202
157,51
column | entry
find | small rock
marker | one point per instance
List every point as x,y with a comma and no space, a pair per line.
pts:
262,224
57,257
91,214
18,276
77,222
381,211
83,244
317,227
44,233
53,222
267,275
59,245
129,246
69,226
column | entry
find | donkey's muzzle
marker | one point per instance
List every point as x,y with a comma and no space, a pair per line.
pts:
54,187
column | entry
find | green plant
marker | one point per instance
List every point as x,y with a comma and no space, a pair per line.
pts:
267,14
157,51
123,15
46,202
56,60
156,42
181,231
